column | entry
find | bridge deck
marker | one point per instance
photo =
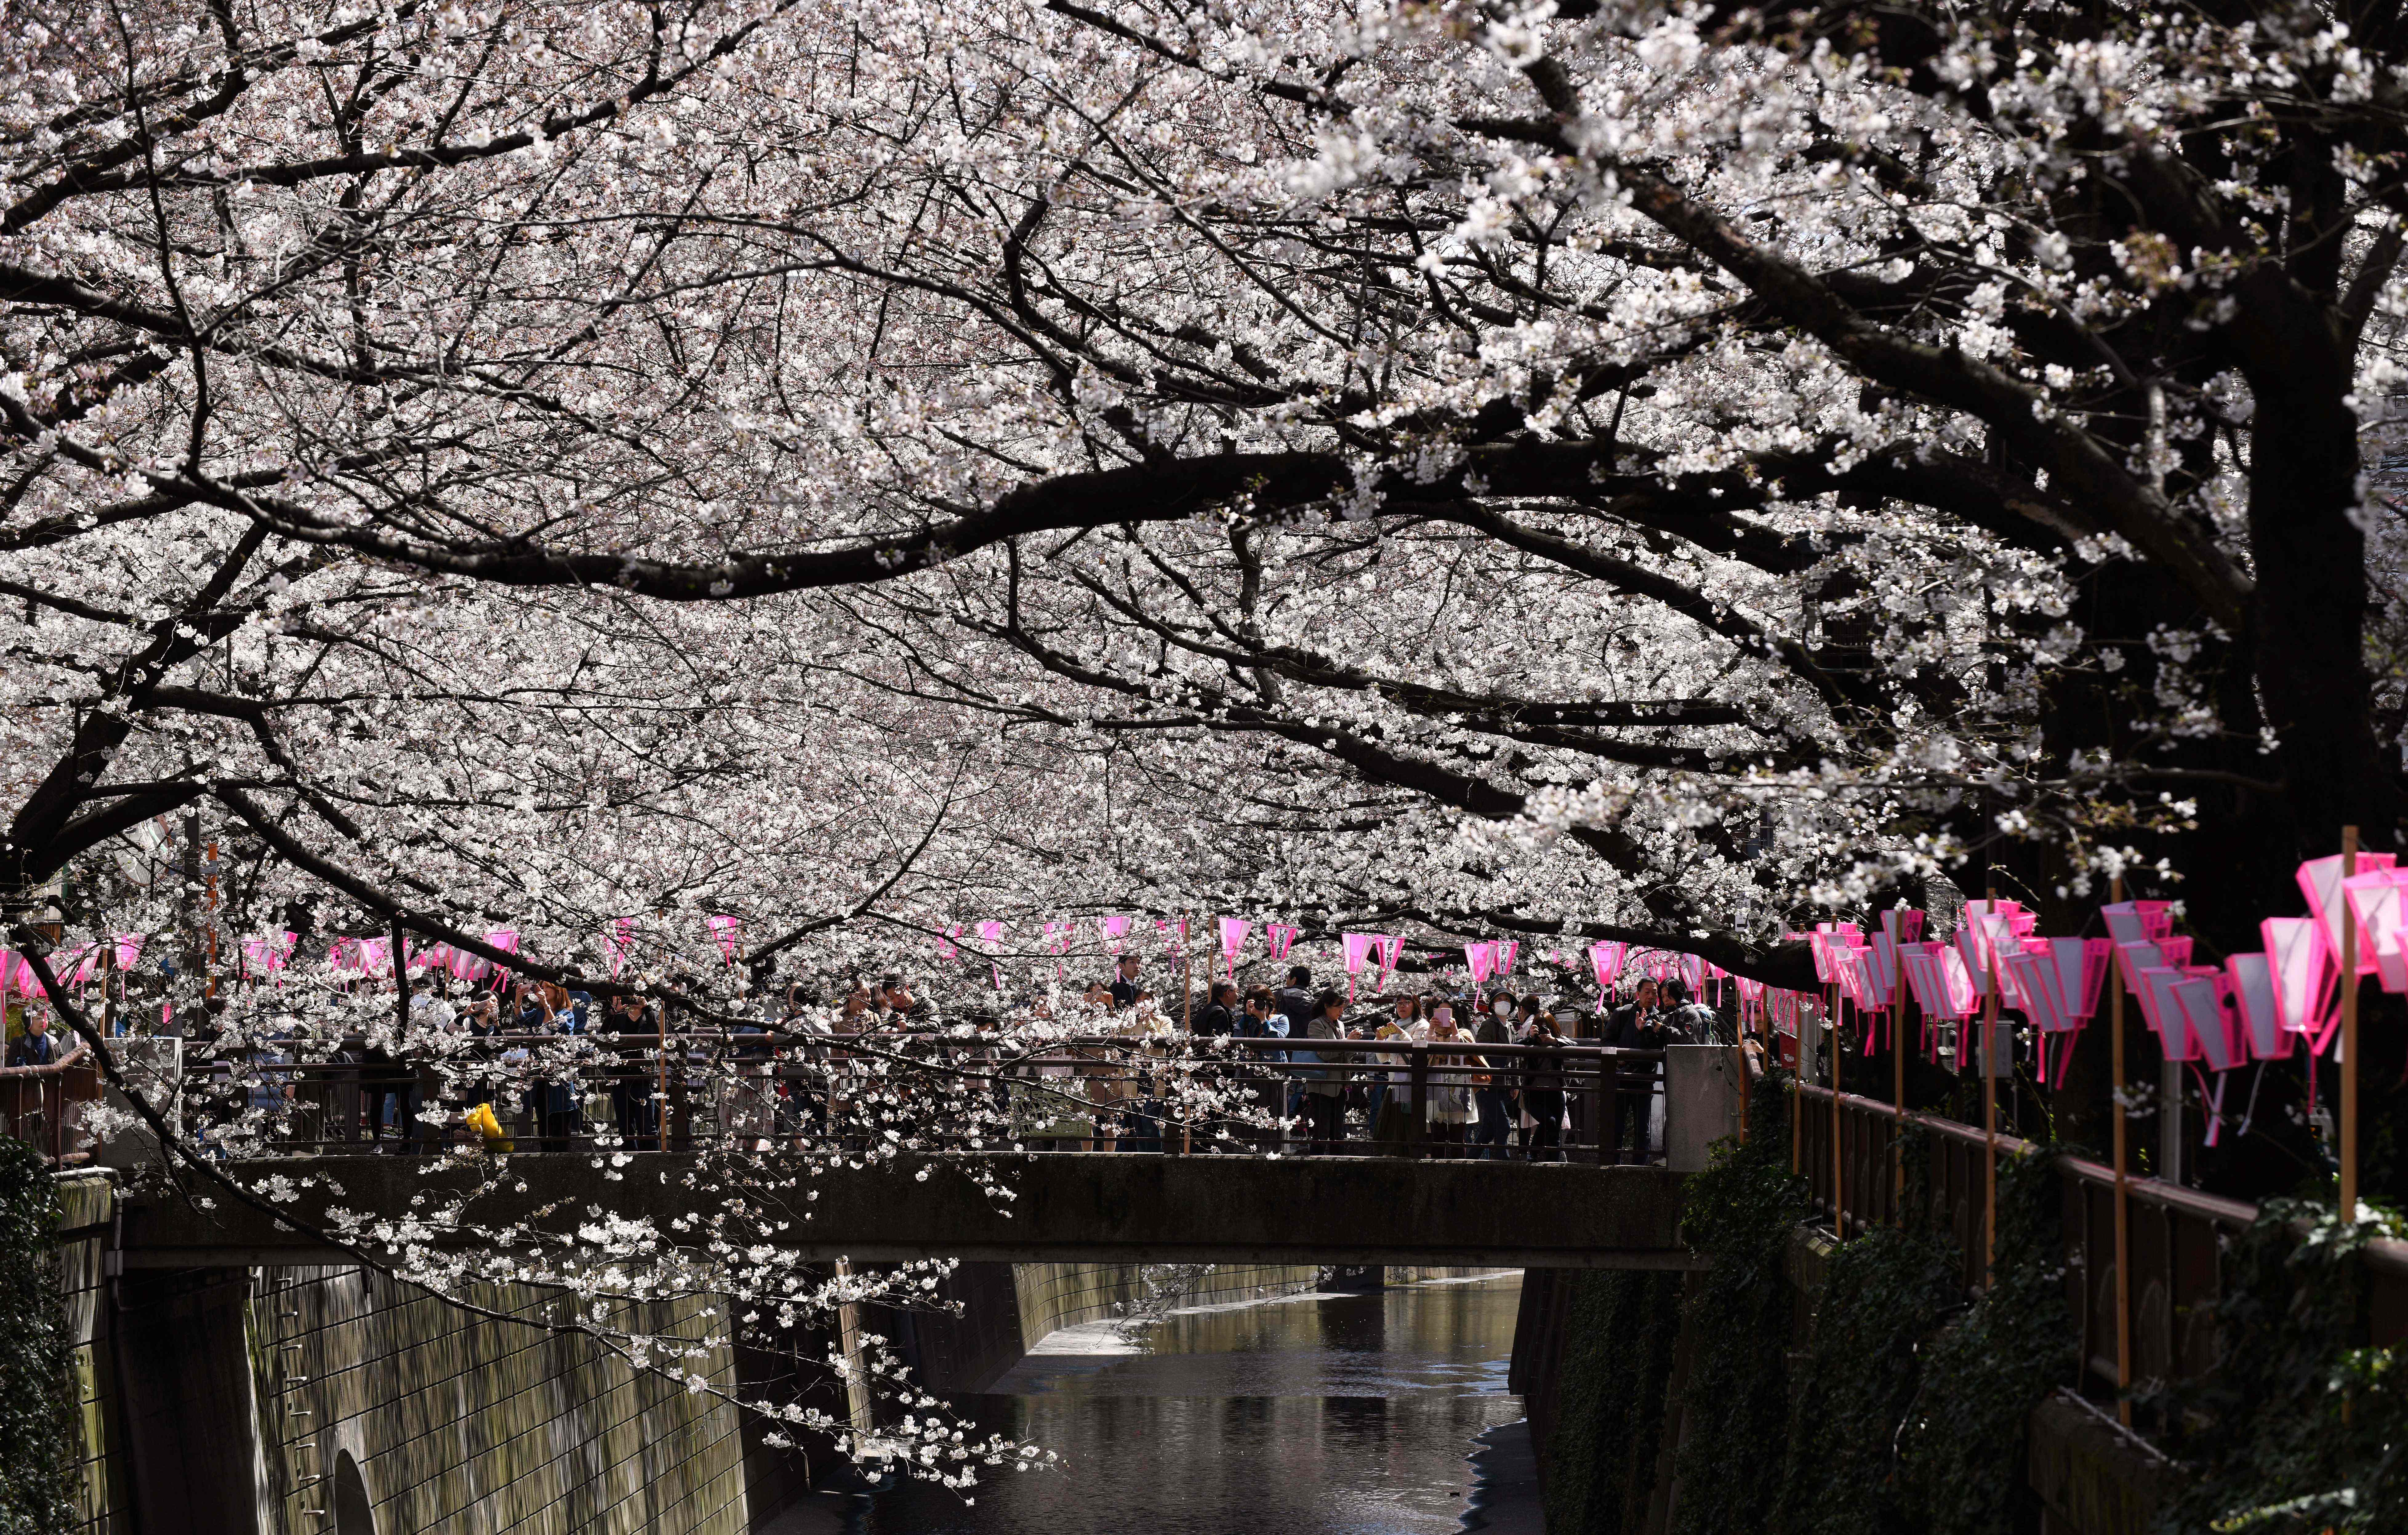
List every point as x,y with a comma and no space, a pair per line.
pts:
1097,1208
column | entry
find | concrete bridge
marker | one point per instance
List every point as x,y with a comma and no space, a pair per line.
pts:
1067,1207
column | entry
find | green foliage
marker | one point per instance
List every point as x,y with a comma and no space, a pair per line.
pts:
1963,1448
2298,1430
1743,1210
38,1423
1882,1295
1907,1412
1610,1417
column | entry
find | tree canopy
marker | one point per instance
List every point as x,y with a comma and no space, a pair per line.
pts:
1666,472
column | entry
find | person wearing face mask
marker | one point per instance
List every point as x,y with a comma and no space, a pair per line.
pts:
1492,1093
1450,1083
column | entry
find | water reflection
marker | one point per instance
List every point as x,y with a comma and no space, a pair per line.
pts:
1348,1413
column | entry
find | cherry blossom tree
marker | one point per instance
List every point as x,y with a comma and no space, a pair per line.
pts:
1665,473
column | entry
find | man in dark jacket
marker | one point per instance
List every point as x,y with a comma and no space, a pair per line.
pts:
1641,1025
1295,999
1494,1104
1124,983
37,1045
1219,1017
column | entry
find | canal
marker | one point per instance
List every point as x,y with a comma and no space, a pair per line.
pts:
1352,1415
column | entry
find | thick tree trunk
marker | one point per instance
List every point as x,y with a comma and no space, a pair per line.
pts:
2309,612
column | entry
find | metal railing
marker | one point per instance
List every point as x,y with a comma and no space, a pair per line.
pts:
2174,1236
572,1092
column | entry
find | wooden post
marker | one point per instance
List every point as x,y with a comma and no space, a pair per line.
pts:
661,1109
1739,1062
1897,1088
1609,1091
1989,1058
1839,1166
1797,1103
1417,1053
2348,1033
2123,1206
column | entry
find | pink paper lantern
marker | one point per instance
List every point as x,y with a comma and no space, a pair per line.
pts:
1821,942
2028,980
2252,980
1605,961
2305,976
2163,1011
2378,899
1988,932
2138,922
725,931
2209,1025
2134,957
1233,941
2320,880
1935,972
1482,960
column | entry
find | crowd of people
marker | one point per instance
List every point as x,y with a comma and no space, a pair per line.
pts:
544,1068
1475,1103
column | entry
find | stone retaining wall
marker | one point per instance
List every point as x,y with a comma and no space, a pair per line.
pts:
487,1425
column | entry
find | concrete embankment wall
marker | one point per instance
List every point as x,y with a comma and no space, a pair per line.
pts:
305,1402
483,1424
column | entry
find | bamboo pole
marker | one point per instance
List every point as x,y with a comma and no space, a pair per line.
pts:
2123,1206
2348,1032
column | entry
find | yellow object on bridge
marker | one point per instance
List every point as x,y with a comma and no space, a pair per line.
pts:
481,1119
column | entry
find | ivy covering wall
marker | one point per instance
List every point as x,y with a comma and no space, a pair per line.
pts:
1905,1412
39,1447
2302,1431
1607,1438
1901,1406
1742,1209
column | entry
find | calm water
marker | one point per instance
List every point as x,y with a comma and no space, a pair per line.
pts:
1348,1415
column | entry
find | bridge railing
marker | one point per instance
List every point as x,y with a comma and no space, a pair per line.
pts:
1175,1094
40,1104
2174,1237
